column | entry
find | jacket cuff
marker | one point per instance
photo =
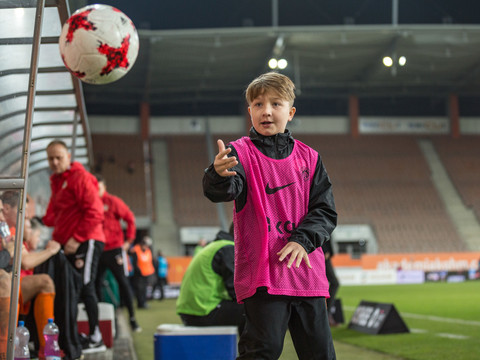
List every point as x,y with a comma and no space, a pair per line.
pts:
213,175
307,245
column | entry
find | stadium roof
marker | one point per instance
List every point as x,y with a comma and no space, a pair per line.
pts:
197,59
205,69
58,110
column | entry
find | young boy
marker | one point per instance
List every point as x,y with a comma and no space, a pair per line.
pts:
284,212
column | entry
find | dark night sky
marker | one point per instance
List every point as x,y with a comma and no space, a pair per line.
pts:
190,14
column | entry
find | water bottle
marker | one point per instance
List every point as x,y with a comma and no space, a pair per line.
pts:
50,334
4,230
22,336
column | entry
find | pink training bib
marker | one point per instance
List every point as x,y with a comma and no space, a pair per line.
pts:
277,201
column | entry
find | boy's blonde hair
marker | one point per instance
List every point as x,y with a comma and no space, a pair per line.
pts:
272,82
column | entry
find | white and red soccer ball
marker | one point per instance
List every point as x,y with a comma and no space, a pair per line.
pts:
99,44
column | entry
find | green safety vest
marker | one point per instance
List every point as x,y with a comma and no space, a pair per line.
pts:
202,289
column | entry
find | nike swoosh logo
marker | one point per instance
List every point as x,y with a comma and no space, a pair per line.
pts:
271,191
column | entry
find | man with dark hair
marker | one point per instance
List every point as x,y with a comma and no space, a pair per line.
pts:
114,255
75,211
10,199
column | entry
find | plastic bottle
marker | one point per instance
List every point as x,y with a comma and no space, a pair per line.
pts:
22,336
50,334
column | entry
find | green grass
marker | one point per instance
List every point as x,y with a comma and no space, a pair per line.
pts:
428,310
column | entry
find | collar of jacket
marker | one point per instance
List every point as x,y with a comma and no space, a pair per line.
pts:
277,146
74,166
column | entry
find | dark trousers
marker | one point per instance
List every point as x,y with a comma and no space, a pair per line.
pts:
140,285
333,281
269,316
67,287
85,261
227,313
115,261
160,285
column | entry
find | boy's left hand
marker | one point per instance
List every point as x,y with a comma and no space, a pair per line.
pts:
297,254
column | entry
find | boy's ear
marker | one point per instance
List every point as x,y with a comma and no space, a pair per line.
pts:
292,113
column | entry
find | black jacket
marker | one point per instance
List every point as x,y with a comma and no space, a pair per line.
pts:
321,219
223,263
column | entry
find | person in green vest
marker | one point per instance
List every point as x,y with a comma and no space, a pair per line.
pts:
207,296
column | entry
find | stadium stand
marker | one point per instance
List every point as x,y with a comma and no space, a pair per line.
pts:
461,158
187,159
120,159
382,181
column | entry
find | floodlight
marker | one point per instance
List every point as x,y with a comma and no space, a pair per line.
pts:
387,61
272,63
282,64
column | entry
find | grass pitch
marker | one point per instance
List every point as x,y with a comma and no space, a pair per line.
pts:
444,320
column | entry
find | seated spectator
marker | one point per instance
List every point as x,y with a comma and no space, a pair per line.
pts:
39,287
5,285
207,296
31,258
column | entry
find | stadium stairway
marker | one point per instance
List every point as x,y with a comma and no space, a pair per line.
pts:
464,218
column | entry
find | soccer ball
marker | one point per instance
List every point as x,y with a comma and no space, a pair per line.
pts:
99,44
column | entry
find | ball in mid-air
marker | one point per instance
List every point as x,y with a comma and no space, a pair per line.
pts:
99,44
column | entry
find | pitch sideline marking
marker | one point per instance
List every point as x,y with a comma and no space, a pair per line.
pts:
453,336
444,335
442,319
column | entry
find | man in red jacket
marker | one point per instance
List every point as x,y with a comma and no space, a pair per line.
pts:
114,255
76,212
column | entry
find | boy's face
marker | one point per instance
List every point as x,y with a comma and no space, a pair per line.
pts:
270,114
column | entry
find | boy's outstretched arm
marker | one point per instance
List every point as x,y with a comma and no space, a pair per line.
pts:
222,162
224,178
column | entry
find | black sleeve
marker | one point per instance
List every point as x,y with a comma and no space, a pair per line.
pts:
321,219
223,264
222,189
327,248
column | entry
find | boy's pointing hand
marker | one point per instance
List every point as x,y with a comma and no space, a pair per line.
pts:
222,162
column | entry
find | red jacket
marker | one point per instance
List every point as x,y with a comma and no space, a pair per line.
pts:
75,208
115,210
